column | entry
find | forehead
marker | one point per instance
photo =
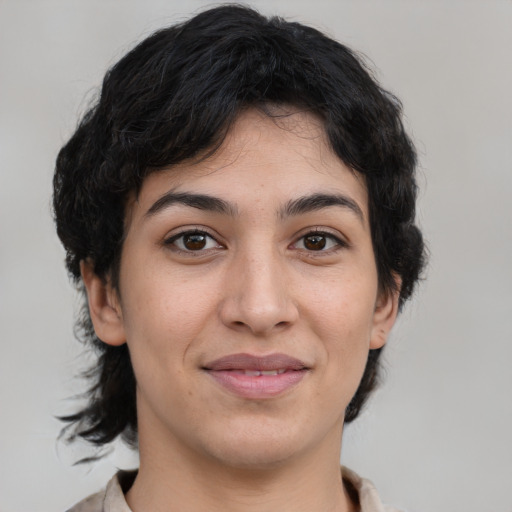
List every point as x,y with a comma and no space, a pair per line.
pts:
266,157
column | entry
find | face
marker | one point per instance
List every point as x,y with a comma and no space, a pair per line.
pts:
248,296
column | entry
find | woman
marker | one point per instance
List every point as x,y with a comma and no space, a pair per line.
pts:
239,206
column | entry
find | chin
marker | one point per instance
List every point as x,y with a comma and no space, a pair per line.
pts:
253,456
256,447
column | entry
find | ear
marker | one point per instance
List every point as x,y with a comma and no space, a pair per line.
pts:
384,316
104,306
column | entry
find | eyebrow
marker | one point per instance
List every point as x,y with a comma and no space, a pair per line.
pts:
319,201
199,201
294,207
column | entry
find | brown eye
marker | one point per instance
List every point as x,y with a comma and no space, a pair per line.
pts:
318,241
194,242
315,242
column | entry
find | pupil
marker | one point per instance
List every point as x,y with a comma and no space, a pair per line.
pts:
194,242
315,242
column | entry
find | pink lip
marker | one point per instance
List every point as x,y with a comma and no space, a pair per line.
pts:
229,371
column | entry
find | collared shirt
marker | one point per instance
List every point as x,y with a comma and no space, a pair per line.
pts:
111,499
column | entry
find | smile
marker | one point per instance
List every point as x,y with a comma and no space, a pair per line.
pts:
254,377
257,373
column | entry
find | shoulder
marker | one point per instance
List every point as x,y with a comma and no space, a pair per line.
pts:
93,503
110,499
365,492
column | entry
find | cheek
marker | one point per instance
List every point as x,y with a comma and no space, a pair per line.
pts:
163,312
160,327
345,305
343,321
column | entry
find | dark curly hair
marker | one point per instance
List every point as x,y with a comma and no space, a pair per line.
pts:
174,97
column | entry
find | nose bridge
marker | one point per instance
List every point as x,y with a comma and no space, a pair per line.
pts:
262,286
259,296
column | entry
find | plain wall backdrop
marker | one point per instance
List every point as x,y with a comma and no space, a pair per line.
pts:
437,436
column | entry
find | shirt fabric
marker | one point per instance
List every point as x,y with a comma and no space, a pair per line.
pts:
111,499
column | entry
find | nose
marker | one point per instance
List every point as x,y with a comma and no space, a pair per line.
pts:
258,295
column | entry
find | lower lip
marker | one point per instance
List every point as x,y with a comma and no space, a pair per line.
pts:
260,386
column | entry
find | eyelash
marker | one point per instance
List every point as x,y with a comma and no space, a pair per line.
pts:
190,232
338,243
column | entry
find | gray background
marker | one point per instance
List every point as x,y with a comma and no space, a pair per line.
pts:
437,436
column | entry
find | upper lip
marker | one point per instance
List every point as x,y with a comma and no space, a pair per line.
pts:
252,362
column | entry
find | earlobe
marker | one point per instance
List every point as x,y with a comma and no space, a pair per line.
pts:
384,317
104,306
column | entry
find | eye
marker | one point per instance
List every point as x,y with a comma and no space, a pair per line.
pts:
193,241
319,241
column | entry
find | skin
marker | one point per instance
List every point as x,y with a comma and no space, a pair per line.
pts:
256,281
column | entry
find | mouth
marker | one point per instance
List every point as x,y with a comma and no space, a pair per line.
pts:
255,377
257,373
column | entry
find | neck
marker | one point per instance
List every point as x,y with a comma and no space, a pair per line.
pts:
175,478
